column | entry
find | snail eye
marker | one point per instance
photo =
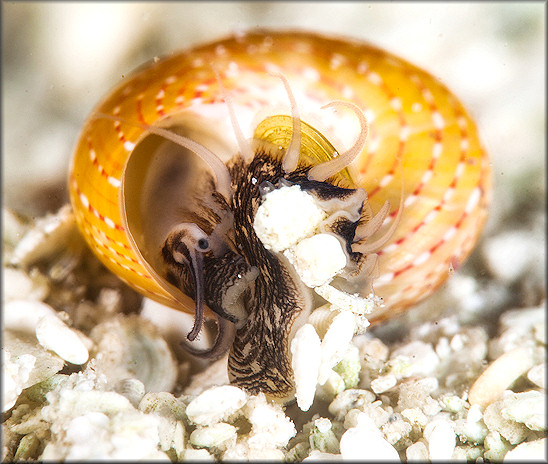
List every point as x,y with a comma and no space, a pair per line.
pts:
203,244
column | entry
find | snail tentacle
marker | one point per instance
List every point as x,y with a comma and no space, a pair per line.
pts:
185,247
218,237
226,331
329,168
245,148
204,266
334,199
197,263
291,158
368,228
366,231
222,175
370,247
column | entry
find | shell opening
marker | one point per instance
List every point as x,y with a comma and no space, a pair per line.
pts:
220,171
327,169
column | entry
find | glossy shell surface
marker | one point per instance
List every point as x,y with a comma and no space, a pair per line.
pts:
418,132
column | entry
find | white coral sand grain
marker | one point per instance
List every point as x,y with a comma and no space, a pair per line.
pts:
305,362
215,404
285,216
53,334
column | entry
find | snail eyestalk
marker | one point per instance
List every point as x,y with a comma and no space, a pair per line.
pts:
226,331
325,170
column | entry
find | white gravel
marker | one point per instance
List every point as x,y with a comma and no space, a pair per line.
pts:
456,390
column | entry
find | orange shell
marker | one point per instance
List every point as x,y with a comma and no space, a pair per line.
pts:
415,125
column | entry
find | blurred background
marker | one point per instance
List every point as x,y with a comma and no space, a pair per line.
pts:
60,59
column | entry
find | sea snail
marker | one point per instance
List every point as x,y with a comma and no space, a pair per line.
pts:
171,168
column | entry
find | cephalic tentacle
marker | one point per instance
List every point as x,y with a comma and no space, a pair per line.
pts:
369,271
245,148
222,175
366,231
323,171
198,268
368,228
291,157
226,331
185,245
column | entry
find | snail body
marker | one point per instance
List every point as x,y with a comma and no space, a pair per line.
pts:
177,226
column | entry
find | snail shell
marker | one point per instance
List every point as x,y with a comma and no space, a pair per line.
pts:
131,188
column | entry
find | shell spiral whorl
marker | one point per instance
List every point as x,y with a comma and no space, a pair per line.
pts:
417,130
